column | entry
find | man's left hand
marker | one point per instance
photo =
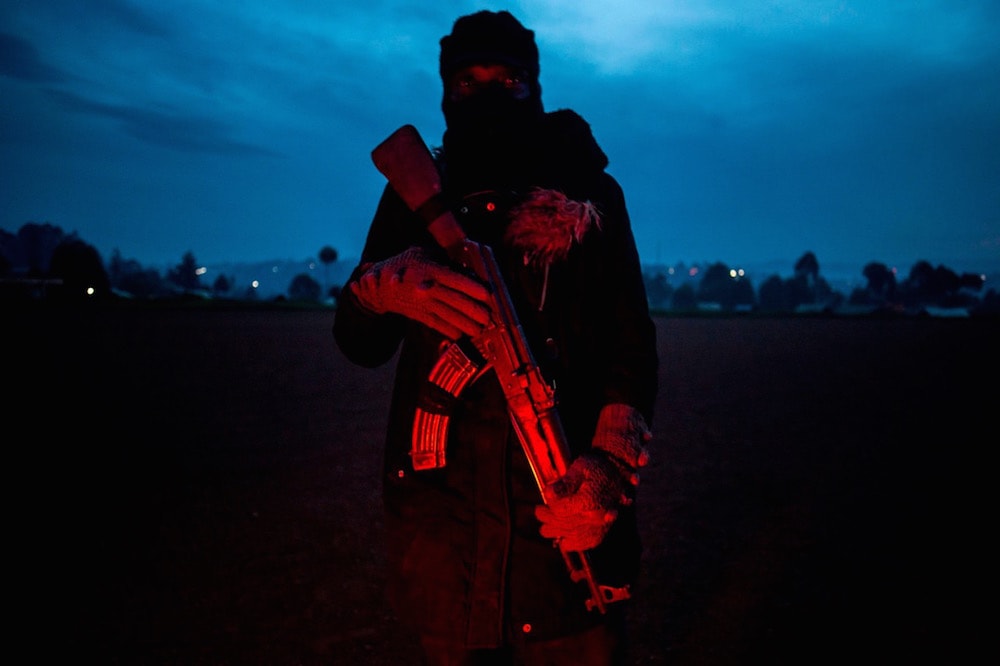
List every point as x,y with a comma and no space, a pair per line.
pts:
583,503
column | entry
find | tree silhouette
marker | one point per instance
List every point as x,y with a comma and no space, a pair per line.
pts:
128,275
807,267
81,270
773,296
185,274
658,289
684,299
971,281
990,303
37,242
741,292
327,256
941,286
720,285
714,285
881,280
806,287
222,285
304,288
880,288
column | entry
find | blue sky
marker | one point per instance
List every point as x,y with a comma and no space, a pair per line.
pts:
742,132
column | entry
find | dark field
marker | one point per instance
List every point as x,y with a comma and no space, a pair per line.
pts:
202,487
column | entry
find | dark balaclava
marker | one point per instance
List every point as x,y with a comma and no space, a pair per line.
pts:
490,135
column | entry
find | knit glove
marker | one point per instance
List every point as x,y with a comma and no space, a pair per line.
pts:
413,285
583,503
622,433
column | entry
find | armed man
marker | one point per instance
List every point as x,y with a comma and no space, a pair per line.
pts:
505,275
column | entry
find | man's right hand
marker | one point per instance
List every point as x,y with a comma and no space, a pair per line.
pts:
413,285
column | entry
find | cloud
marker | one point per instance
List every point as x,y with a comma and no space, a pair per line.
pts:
173,130
647,36
19,59
814,121
131,17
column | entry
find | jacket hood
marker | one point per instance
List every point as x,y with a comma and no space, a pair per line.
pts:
572,140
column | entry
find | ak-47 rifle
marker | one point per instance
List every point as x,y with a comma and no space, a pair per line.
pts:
403,158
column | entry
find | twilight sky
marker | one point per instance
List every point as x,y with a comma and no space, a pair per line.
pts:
742,132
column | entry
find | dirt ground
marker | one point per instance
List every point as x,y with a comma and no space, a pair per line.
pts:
193,486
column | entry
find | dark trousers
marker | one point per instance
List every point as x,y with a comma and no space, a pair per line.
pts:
603,645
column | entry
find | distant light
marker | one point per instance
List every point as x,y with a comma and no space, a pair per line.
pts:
200,271
274,269
254,284
693,271
312,265
670,271
732,273
90,291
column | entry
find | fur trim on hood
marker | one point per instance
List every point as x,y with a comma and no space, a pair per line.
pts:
545,225
547,222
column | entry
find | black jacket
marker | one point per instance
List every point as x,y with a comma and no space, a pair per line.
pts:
466,562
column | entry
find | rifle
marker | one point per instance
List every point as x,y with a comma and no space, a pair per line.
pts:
403,158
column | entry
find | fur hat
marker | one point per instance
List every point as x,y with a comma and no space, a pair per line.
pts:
488,37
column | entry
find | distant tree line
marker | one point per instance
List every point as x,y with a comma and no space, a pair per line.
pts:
41,261
717,287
